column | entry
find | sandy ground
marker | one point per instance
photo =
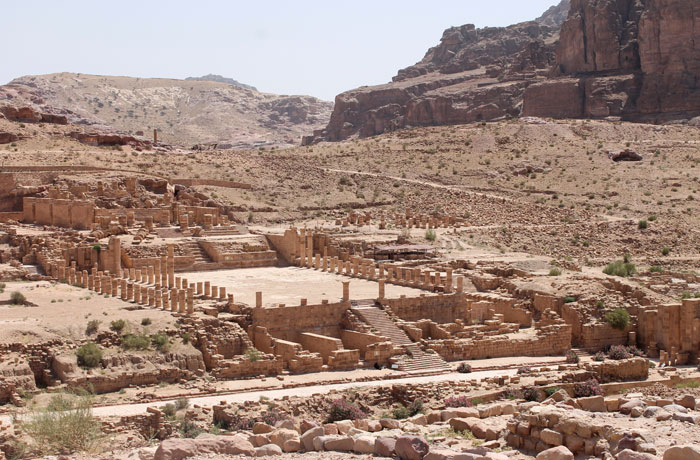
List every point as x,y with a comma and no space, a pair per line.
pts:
63,311
289,285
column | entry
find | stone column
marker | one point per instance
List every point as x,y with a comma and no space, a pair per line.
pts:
85,280
164,271
214,292
258,299
207,289
171,265
190,301
165,301
173,300
151,275
200,287
130,292
115,287
381,288
178,282
222,293
460,284
158,298
346,291
137,294
182,301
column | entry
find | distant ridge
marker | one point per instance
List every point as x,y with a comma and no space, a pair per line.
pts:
221,79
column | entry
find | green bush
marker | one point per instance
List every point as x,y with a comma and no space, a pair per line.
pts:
253,354
656,269
554,272
665,251
146,322
643,225
620,268
89,355
17,298
161,342
92,327
182,403
430,235
118,326
169,410
618,319
569,299
64,428
2,287
135,342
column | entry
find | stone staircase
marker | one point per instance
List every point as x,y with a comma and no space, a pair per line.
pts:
200,256
416,360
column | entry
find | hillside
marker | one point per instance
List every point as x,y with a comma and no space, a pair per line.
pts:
184,112
634,60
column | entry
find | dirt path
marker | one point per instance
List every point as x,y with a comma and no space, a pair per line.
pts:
208,401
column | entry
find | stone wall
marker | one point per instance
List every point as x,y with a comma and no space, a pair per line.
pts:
547,341
439,308
77,214
674,328
287,323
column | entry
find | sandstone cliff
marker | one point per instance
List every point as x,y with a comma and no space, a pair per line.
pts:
634,59
630,59
185,112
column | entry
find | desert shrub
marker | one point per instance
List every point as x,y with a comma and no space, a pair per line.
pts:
92,327
182,403
634,351
64,428
618,319
620,268
89,355
569,299
161,342
551,390
458,401
572,357
186,338
600,356
17,298
513,393
169,410
253,354
118,326
2,287
464,368
400,412
554,272
588,388
344,180
643,225
430,235
135,342
341,409
618,352
656,269
189,429
146,322
531,394
665,251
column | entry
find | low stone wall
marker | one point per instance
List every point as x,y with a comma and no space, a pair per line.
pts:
8,216
288,322
438,308
548,341
320,344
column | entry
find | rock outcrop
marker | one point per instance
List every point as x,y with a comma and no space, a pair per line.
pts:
636,60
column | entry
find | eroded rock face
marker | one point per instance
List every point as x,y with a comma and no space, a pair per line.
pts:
634,59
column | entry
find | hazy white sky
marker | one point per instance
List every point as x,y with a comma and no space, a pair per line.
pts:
316,47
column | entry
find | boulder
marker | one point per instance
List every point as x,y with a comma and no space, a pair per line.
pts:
556,453
687,401
592,404
268,450
307,439
627,407
262,428
628,454
282,435
384,447
306,425
338,443
411,448
682,453
177,449
364,445
551,437
389,423
344,426
440,454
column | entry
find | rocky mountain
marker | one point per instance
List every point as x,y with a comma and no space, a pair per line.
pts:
184,112
631,59
634,59
220,79
471,75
